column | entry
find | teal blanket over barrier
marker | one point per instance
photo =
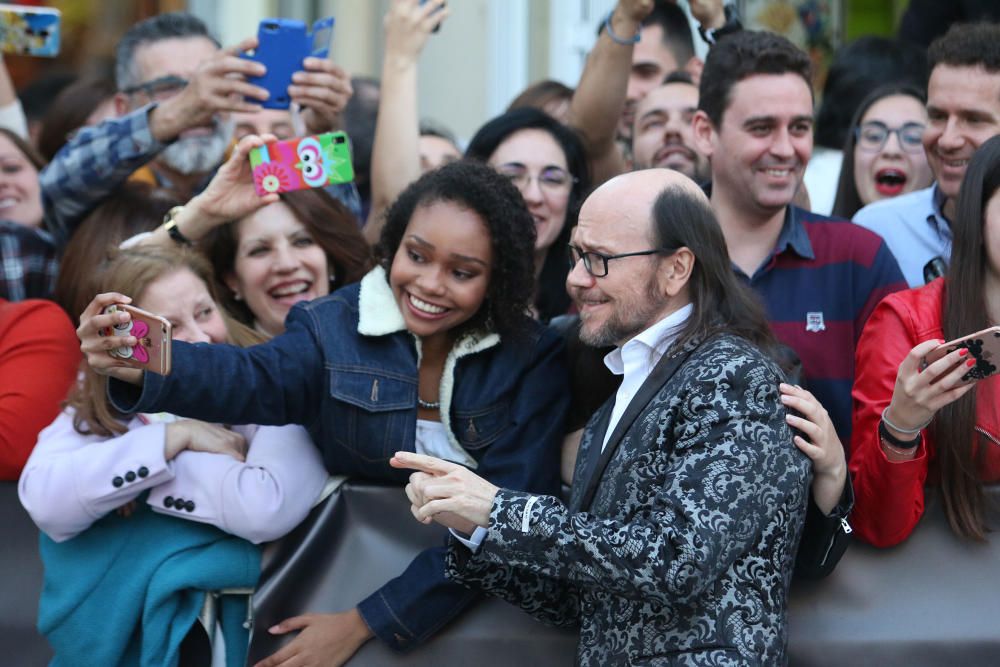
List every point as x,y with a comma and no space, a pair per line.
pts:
126,591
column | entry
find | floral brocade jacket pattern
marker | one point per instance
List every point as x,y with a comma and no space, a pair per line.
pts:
679,549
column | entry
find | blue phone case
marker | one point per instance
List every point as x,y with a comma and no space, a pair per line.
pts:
282,46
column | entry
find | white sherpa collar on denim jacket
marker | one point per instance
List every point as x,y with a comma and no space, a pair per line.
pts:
378,315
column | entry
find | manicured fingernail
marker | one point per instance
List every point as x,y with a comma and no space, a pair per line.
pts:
970,363
962,352
785,399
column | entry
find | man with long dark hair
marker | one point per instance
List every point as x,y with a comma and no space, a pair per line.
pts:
688,496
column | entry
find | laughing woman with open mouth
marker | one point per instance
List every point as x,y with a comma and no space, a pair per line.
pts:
884,154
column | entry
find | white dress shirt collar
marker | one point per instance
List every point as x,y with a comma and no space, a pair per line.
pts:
637,358
655,340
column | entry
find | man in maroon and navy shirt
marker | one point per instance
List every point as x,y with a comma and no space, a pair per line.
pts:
819,277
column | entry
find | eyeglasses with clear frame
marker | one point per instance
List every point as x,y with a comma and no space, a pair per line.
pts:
596,263
871,136
554,180
159,89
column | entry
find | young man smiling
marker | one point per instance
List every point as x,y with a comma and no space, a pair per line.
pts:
663,135
963,108
640,43
818,277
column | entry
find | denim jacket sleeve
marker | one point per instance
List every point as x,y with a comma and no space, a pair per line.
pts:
275,383
413,606
91,166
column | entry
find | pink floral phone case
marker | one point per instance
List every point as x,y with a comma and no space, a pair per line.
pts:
154,334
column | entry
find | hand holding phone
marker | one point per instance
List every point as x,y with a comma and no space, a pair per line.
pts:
282,46
983,347
154,333
301,163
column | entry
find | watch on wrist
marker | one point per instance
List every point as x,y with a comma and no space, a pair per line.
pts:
732,24
170,226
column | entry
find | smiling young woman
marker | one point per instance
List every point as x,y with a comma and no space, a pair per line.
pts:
433,351
920,425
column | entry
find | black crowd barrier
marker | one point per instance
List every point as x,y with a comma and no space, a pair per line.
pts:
930,601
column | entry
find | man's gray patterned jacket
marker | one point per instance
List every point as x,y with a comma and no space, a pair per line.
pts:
678,544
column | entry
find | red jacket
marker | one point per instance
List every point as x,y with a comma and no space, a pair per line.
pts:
890,496
39,355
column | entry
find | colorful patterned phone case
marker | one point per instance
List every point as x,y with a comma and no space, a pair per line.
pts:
29,31
301,163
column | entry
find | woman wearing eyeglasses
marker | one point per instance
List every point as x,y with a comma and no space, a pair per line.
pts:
546,161
540,155
884,152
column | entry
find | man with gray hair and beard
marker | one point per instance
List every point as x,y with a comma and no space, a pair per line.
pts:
176,91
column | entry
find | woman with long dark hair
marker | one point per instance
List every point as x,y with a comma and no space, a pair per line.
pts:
883,153
916,422
546,161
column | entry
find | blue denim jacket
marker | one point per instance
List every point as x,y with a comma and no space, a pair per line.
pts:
346,369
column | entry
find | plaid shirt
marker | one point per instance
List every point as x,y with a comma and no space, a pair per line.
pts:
28,264
91,166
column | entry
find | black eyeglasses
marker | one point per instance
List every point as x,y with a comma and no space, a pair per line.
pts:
596,263
160,88
872,136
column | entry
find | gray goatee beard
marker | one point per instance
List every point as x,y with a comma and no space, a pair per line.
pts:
199,155
626,322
